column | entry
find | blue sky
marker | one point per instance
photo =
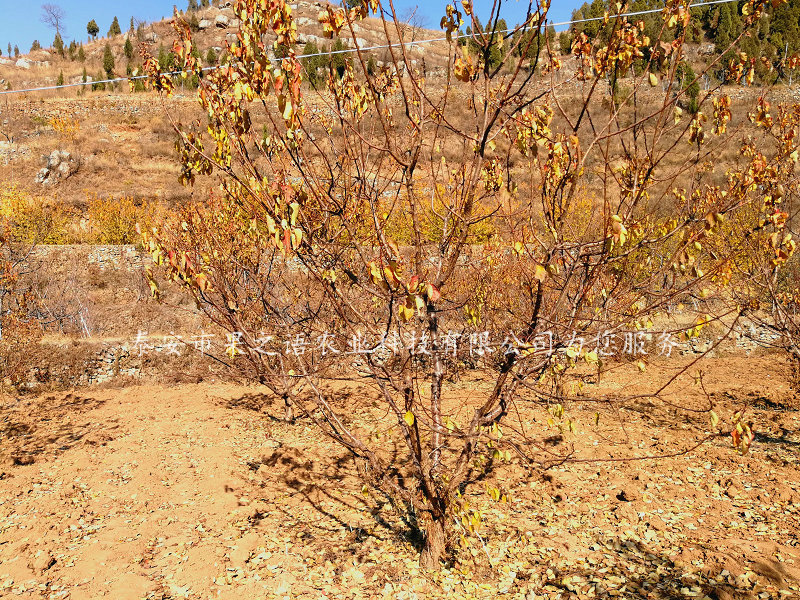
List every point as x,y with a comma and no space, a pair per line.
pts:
20,23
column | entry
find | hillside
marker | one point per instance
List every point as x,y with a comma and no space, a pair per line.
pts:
215,28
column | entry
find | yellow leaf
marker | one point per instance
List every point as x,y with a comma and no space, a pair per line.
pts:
540,273
409,418
297,238
406,312
591,357
714,419
653,79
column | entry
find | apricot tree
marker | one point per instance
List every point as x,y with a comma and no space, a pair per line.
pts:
556,202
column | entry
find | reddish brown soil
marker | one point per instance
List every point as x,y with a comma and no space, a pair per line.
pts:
198,491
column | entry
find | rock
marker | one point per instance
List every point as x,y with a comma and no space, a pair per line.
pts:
23,64
204,24
705,49
60,165
42,176
151,37
54,160
42,561
222,22
5,61
230,38
304,22
307,38
361,42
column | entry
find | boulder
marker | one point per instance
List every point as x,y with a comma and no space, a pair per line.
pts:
54,159
23,64
60,165
204,24
64,169
222,22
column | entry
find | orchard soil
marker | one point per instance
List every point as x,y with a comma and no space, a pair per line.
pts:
200,491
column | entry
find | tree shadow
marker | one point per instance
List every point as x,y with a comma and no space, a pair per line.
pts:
321,486
34,428
628,568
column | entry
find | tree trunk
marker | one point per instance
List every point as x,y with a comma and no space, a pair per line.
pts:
288,413
435,545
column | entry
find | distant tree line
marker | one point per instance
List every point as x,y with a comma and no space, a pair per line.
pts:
775,38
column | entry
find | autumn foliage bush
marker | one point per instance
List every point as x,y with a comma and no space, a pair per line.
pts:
380,209
19,330
106,220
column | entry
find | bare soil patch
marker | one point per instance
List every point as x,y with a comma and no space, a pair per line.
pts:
200,491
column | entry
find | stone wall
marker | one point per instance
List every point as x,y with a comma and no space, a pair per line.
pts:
119,257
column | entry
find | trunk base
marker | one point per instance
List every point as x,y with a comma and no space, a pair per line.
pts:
288,410
435,546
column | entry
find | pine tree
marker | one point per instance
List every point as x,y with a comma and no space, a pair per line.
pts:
35,46
108,61
312,63
16,51
131,27
339,61
128,49
114,29
98,86
205,3
60,80
58,44
81,54
73,48
84,77
192,7
9,48
92,28
211,57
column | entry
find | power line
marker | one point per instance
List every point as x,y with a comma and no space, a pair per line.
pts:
364,49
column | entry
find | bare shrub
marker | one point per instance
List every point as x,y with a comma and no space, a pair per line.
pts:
316,193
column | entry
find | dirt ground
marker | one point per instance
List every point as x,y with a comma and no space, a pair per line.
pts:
199,491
